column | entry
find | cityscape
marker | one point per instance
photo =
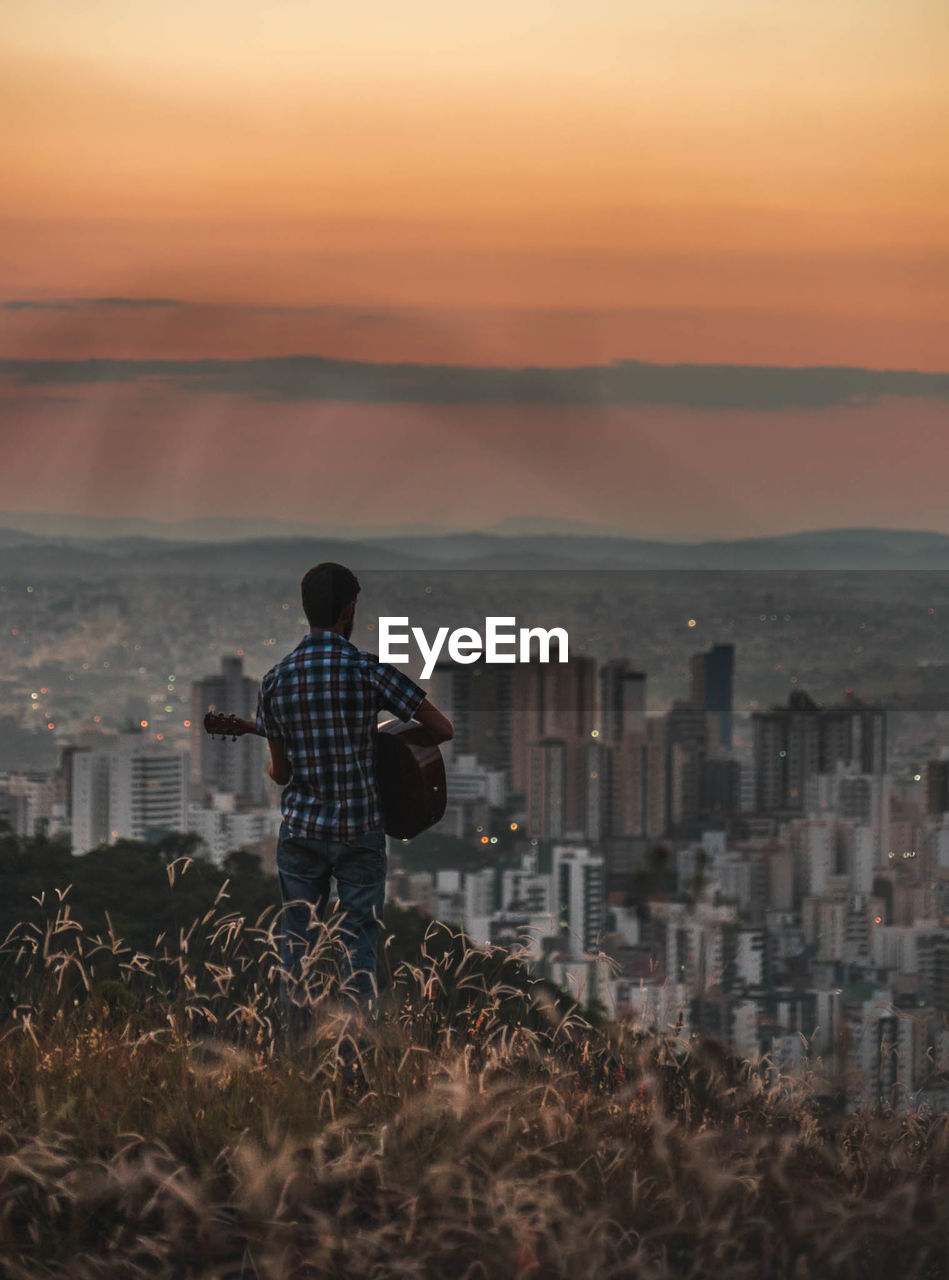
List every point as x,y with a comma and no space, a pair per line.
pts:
773,878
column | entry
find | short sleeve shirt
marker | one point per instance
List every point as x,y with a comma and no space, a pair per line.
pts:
322,702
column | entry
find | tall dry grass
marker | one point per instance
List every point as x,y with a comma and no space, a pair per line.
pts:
154,1123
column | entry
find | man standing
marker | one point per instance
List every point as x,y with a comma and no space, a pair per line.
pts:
318,709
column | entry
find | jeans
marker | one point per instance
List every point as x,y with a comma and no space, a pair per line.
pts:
304,866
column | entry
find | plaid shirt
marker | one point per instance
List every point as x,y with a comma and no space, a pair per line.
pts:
322,703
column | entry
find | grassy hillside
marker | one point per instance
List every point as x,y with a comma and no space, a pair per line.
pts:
154,1123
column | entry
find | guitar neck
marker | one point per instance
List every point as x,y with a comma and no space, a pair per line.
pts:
230,726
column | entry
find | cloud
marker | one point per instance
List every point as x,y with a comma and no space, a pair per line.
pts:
625,383
77,304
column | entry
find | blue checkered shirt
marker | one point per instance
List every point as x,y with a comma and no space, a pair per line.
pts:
322,703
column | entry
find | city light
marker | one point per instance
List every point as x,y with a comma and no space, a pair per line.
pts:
143,723
186,723
513,826
692,622
484,839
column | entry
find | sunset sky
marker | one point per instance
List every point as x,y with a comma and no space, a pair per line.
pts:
541,184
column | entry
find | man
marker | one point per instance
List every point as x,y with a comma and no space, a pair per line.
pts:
318,709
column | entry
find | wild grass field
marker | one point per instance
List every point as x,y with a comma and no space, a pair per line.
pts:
155,1123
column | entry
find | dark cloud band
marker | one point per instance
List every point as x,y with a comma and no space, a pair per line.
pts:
79,304
622,383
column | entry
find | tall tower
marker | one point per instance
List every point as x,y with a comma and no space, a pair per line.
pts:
579,883
787,743
712,680
547,789
686,754
622,700
477,698
553,700
219,764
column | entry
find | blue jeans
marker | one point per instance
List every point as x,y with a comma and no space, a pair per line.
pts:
304,866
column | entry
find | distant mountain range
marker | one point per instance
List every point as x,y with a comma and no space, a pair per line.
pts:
181,547
231,529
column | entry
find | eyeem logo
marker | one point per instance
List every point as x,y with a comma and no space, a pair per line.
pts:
466,645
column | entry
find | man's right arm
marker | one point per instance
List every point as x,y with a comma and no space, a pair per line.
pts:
438,725
407,699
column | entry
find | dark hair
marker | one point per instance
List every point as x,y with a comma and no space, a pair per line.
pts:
327,589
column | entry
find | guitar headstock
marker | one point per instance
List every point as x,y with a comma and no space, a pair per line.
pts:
226,726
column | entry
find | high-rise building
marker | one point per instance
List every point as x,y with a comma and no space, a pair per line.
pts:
937,787
31,802
579,881
794,742
622,700
787,752
686,753
635,784
854,734
218,763
134,789
89,799
712,680
547,790
554,700
477,698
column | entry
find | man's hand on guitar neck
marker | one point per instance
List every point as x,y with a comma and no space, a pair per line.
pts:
246,726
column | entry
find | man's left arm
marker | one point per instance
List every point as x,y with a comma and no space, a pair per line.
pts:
280,769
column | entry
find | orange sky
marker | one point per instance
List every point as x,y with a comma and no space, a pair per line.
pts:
550,183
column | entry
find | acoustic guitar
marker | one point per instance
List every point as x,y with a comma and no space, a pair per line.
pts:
410,772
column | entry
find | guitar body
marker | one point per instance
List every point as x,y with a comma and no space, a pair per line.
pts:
410,774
